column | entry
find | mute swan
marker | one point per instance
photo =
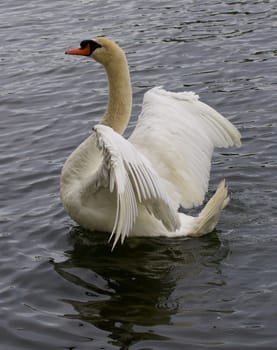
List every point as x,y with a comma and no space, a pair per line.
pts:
135,187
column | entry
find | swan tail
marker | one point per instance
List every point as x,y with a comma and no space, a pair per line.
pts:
209,216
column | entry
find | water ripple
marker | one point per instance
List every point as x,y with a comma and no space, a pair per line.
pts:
60,286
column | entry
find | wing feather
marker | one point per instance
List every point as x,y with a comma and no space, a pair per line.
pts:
178,134
135,181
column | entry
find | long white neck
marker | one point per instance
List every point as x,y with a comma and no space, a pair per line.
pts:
119,105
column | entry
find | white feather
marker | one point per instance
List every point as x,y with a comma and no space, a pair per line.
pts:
135,181
178,133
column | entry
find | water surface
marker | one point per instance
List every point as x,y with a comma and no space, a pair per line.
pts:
61,287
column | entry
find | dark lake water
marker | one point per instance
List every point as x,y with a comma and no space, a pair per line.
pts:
61,287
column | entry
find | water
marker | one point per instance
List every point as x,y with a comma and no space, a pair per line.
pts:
61,287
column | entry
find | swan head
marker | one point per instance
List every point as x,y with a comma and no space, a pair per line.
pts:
101,49
112,57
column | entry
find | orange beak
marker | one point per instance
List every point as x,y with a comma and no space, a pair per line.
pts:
79,51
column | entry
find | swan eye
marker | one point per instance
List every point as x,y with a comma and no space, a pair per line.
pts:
93,45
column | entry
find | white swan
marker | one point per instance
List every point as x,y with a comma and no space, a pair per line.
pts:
136,186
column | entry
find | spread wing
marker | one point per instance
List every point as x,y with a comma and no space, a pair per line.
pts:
178,134
135,181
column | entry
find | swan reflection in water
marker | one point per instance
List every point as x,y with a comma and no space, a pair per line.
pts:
140,285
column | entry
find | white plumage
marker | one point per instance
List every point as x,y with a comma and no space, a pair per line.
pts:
134,180
178,133
136,186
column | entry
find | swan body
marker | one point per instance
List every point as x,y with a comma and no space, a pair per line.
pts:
135,187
